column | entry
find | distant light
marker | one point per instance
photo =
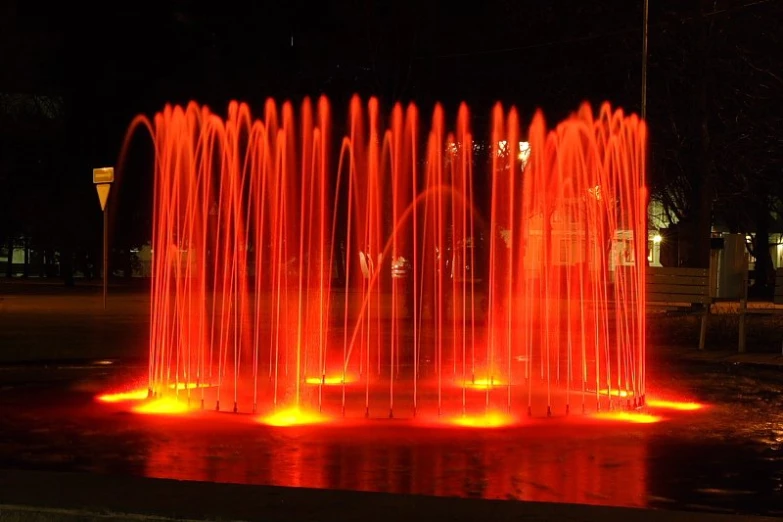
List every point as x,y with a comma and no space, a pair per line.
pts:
657,238
524,153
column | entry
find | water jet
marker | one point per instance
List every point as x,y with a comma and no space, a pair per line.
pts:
398,263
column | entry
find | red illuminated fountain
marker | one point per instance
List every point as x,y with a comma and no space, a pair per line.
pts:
403,269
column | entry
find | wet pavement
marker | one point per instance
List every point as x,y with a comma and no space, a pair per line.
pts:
724,458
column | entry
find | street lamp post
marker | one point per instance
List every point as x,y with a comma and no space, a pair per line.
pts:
644,58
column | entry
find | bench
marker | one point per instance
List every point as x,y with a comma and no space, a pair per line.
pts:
680,289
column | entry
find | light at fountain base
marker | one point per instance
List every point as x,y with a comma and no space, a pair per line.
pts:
329,380
674,405
134,395
627,416
293,417
487,420
161,406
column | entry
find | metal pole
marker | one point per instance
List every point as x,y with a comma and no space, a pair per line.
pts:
644,59
105,255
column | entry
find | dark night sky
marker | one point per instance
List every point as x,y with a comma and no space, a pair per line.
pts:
117,59
531,54
527,53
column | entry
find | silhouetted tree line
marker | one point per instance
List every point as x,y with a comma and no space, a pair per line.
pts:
715,117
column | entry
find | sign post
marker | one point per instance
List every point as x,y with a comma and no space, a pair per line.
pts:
103,178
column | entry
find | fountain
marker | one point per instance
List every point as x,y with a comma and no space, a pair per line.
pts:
400,268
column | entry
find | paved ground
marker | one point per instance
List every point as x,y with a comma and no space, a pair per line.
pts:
42,321
45,322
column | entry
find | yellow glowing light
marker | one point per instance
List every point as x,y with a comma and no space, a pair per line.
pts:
135,395
674,405
292,417
483,383
617,393
188,385
657,238
490,420
329,380
163,406
627,416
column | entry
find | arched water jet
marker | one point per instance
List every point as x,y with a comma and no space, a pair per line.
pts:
408,213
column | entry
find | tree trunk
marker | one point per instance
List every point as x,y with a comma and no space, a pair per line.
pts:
127,263
9,271
26,269
705,162
49,267
764,269
66,266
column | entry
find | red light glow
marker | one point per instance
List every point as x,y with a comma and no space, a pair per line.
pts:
276,337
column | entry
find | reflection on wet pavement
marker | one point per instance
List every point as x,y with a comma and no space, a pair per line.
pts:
726,457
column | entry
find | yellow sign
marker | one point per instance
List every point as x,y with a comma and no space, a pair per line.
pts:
103,178
103,175
103,193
